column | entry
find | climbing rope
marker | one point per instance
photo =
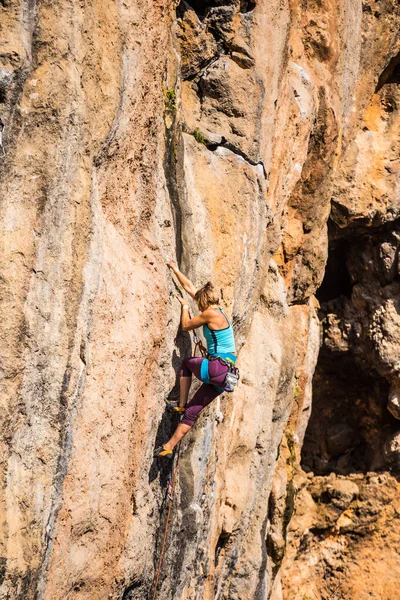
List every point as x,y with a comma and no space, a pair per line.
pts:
170,496
199,345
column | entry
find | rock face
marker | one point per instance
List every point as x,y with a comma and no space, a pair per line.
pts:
353,432
216,133
343,540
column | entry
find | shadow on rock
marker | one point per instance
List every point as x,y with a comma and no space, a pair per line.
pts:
170,420
165,430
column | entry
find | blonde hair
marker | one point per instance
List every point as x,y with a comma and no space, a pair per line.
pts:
206,296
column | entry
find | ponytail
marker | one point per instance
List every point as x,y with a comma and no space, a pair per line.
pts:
206,296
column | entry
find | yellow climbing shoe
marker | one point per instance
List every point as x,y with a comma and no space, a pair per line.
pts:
161,451
173,406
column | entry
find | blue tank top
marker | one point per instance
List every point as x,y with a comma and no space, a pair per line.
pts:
220,342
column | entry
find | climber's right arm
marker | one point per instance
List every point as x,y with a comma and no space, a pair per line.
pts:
183,280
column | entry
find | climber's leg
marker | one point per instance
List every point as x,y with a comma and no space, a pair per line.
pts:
184,388
189,366
180,431
202,398
217,372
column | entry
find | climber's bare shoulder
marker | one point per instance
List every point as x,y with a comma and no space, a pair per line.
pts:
215,319
195,322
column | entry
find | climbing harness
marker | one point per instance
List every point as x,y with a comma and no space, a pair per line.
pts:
170,497
232,375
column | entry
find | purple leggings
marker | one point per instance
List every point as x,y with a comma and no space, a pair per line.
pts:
206,392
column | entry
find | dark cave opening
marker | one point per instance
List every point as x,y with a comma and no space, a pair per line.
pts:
337,281
202,7
394,77
391,74
247,6
350,427
349,420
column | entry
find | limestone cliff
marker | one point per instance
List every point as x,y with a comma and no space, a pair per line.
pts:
220,133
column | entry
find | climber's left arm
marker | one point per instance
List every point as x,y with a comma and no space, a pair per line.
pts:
187,323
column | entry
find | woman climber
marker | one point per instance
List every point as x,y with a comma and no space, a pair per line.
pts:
212,371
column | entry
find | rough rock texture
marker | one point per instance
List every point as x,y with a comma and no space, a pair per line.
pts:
343,540
216,133
343,543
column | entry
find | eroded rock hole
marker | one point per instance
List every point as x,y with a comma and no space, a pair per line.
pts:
78,586
391,74
247,6
221,545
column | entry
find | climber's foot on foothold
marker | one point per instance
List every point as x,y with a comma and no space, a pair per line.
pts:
173,406
161,452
